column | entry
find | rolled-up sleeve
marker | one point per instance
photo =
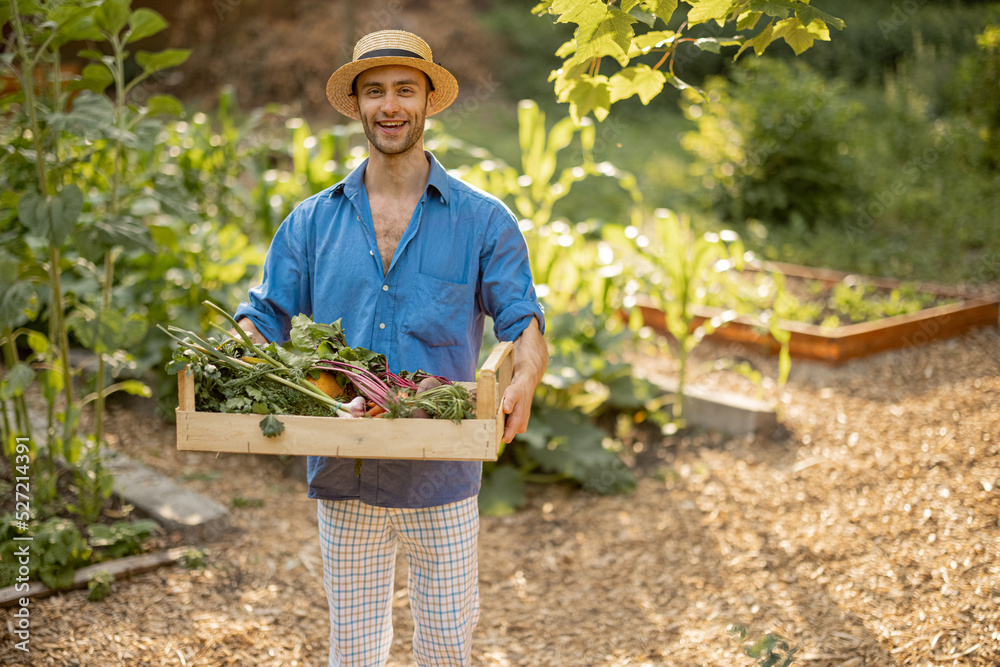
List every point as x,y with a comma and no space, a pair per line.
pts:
508,293
284,291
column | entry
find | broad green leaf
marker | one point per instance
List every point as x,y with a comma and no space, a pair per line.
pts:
566,49
503,491
708,44
587,14
76,24
16,381
95,78
51,382
589,94
663,9
776,8
819,30
800,40
654,39
37,341
627,5
807,14
107,331
54,217
91,117
9,267
112,15
618,26
759,43
641,15
542,7
708,10
144,23
107,232
154,62
18,303
638,80
748,20
91,54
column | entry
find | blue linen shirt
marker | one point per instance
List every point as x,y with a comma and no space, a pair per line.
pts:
461,258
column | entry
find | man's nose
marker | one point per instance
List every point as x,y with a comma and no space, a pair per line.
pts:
390,103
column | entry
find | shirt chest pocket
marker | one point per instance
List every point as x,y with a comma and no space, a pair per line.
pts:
439,313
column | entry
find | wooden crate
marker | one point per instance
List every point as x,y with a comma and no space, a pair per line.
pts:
431,439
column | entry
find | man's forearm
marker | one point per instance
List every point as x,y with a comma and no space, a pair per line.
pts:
250,328
531,356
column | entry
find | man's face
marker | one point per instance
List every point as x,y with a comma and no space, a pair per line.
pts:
393,102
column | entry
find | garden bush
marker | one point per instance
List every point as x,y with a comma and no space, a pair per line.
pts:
770,144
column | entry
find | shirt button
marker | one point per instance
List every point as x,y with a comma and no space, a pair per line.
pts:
385,288
382,325
371,253
359,218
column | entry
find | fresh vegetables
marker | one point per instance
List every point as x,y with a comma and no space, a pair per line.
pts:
315,373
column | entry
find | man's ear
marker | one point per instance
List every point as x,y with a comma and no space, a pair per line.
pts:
430,102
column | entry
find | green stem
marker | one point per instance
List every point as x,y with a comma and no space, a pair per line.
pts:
11,358
109,255
57,326
682,375
109,269
242,334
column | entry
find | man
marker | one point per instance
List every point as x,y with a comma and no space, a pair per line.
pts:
411,260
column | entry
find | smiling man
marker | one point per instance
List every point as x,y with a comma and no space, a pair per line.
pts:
412,261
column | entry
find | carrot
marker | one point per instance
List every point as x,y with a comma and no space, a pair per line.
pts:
376,411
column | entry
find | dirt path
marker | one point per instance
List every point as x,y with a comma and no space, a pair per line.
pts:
865,530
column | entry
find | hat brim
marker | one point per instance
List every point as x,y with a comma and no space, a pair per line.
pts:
338,87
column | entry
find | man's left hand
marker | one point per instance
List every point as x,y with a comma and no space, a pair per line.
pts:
531,356
516,404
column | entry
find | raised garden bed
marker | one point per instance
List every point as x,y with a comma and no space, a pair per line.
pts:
945,313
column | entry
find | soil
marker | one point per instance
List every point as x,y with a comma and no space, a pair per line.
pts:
864,530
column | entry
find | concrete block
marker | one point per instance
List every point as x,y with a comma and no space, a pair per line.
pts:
732,413
175,508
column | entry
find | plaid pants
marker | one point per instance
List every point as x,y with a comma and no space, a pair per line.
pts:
358,543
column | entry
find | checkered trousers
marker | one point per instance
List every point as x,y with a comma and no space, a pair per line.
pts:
358,543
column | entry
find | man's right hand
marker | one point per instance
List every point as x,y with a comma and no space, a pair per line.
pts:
251,330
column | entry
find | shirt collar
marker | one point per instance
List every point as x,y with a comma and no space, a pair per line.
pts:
438,180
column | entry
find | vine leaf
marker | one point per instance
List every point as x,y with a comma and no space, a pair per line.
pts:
639,80
664,9
618,26
591,93
708,10
587,14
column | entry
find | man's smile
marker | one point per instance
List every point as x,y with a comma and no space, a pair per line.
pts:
391,126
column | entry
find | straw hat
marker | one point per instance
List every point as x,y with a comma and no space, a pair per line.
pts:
390,47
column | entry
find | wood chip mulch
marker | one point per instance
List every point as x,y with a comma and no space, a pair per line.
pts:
865,530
